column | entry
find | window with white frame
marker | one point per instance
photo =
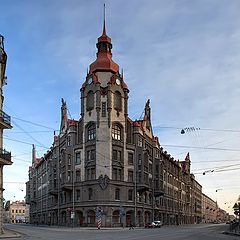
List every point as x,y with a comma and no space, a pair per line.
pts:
91,132
116,132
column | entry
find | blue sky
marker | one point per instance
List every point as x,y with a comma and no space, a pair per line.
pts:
183,55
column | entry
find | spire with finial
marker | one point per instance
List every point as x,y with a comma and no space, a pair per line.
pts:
104,60
104,20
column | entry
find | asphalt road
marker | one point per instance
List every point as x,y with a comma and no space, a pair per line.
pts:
187,232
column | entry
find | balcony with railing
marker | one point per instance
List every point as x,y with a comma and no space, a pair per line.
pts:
5,157
5,120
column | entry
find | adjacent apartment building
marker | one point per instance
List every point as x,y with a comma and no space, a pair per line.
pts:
18,212
106,167
209,209
5,123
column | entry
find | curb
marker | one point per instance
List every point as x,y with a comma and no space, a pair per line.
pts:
9,234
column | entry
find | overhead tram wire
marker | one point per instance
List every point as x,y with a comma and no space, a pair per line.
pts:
36,124
46,131
28,134
155,127
23,142
217,171
207,148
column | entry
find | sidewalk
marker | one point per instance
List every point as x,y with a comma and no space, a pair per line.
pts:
9,234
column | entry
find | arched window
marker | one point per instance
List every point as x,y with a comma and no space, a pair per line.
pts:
91,132
116,132
90,100
118,101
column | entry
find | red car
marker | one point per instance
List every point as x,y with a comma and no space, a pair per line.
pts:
149,225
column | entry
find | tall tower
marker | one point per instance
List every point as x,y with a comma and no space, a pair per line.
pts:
5,123
104,111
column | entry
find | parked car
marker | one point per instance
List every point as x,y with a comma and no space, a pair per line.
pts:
154,224
157,223
149,225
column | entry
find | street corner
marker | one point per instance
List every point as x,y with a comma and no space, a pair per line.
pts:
9,234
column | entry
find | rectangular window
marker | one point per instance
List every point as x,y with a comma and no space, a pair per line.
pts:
119,174
88,174
16,211
77,194
90,194
119,156
140,141
130,158
139,159
69,159
69,176
139,177
114,155
68,141
146,179
78,158
130,195
150,168
130,176
117,194
78,176
88,155
114,174
104,109
92,173
92,154
20,211
12,210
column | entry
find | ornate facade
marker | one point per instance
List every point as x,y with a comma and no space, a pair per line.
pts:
106,166
5,123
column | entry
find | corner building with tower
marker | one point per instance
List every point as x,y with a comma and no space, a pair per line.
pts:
106,167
